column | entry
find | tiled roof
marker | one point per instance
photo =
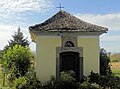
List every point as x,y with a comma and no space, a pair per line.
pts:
63,21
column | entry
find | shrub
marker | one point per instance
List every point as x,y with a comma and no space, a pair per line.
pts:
105,81
51,84
66,81
87,85
104,62
16,60
19,83
99,79
84,85
66,77
95,86
32,80
114,82
28,82
94,77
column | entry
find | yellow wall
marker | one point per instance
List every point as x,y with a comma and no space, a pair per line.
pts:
46,56
90,46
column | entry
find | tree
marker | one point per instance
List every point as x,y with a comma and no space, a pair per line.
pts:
1,53
18,38
16,60
15,57
104,62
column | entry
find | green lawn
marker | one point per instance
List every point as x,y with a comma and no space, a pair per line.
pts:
115,67
116,72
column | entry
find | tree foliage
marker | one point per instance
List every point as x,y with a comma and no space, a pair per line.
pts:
29,81
104,62
1,54
18,38
16,60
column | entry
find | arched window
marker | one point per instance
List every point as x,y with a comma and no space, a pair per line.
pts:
69,44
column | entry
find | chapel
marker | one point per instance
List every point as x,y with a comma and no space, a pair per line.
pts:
66,43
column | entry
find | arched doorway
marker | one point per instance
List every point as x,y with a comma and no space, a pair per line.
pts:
70,61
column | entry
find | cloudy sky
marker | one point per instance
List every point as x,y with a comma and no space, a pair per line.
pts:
24,13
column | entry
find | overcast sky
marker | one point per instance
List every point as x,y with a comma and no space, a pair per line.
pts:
24,13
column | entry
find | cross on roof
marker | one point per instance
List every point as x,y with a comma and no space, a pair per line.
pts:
60,7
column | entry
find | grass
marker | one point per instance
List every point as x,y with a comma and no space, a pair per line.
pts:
116,72
115,63
115,67
115,57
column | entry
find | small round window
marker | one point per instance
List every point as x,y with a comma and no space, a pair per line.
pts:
69,44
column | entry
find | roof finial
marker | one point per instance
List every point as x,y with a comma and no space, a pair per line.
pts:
60,7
